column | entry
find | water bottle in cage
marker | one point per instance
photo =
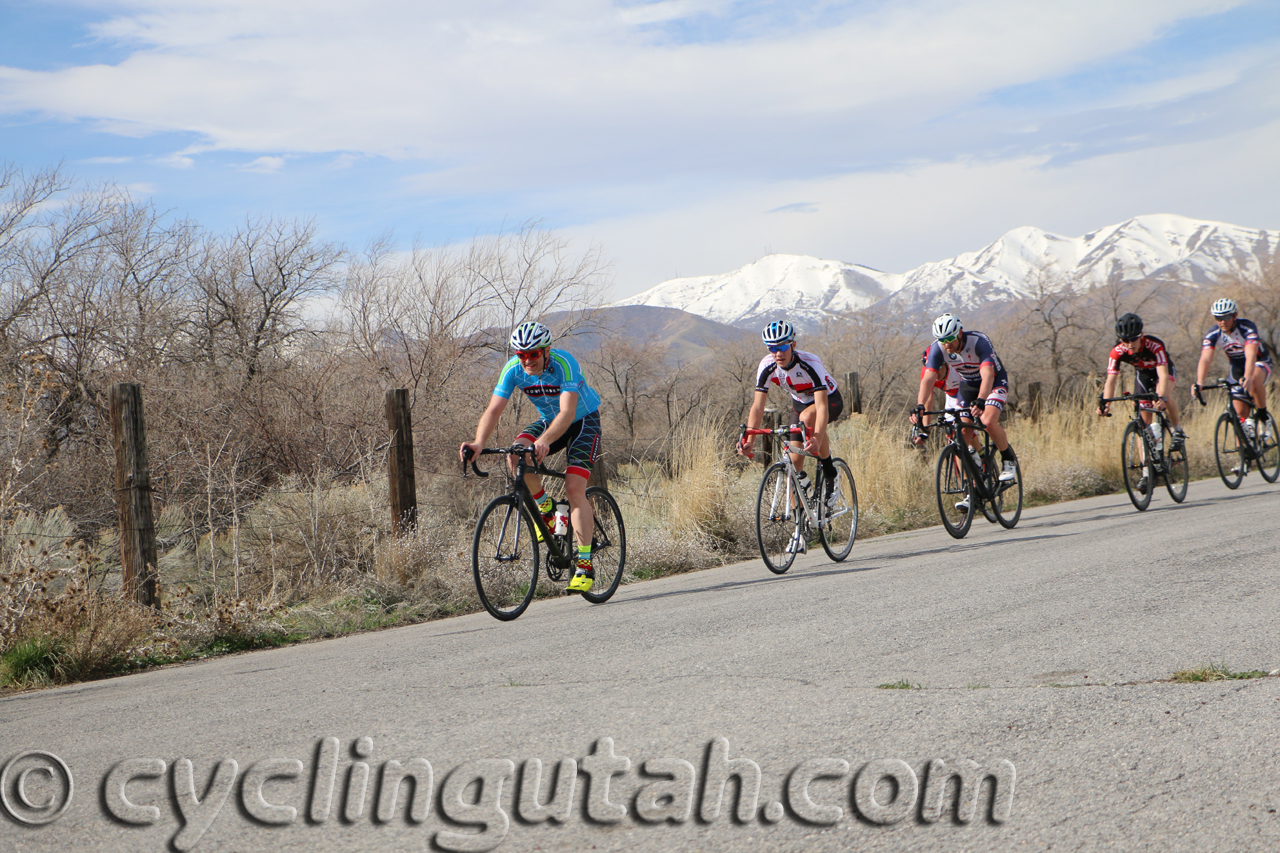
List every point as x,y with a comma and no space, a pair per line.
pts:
562,518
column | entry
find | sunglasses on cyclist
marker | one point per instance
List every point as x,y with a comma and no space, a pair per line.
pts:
528,354
949,338
1130,340
779,347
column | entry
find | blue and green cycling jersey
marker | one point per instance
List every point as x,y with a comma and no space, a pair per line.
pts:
562,374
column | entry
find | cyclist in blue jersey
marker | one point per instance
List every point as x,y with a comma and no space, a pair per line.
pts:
983,384
1250,361
570,420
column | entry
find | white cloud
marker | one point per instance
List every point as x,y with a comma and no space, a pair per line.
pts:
266,165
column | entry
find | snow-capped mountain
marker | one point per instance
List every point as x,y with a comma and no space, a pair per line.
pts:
1157,247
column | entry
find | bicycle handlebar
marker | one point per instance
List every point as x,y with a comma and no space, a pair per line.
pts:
778,431
954,415
1228,384
514,450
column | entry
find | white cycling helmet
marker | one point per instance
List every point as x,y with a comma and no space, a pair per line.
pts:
1223,308
778,332
531,335
946,326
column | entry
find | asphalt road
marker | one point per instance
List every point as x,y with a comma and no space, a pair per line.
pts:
1041,654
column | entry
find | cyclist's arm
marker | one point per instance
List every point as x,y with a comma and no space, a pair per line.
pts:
1108,390
559,424
927,377
822,415
1202,369
488,423
1250,359
1162,386
988,372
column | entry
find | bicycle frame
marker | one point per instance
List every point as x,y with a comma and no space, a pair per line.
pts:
814,509
556,556
952,421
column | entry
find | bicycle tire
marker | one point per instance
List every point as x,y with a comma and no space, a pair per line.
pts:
952,480
1228,447
1003,490
777,521
504,558
1134,453
608,546
840,531
1177,472
1269,457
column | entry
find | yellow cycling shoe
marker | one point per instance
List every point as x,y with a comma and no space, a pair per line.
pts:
582,580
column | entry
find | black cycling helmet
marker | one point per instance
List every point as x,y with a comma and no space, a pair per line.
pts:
1128,327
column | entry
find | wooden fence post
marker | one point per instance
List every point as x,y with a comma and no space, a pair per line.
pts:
404,489
133,495
769,421
853,392
1034,400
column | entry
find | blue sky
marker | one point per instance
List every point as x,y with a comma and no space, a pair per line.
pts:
685,137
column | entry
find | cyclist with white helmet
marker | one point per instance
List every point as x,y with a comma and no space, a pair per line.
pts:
570,420
816,401
1250,361
983,388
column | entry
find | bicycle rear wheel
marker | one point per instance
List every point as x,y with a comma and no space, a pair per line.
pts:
841,515
954,486
504,558
1229,450
1269,445
608,546
990,479
777,519
1133,464
1008,501
1177,473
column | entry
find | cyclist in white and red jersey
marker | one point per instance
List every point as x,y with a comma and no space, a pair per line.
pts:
1250,361
984,384
816,401
1153,368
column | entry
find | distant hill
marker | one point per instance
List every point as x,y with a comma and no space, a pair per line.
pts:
682,336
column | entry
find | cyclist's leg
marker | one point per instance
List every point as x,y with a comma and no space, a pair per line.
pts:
964,397
1242,408
526,438
991,416
1258,386
582,442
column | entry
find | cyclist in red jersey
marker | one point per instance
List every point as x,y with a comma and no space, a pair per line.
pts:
1154,372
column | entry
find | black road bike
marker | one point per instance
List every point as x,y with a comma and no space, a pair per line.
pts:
1236,450
967,480
1144,459
787,511
505,551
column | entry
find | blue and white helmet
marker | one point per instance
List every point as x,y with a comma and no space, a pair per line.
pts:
778,332
531,335
1223,308
946,326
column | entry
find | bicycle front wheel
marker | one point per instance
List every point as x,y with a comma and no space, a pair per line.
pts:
1133,463
1229,450
840,515
777,519
504,558
1269,447
1177,473
955,492
1008,502
608,546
